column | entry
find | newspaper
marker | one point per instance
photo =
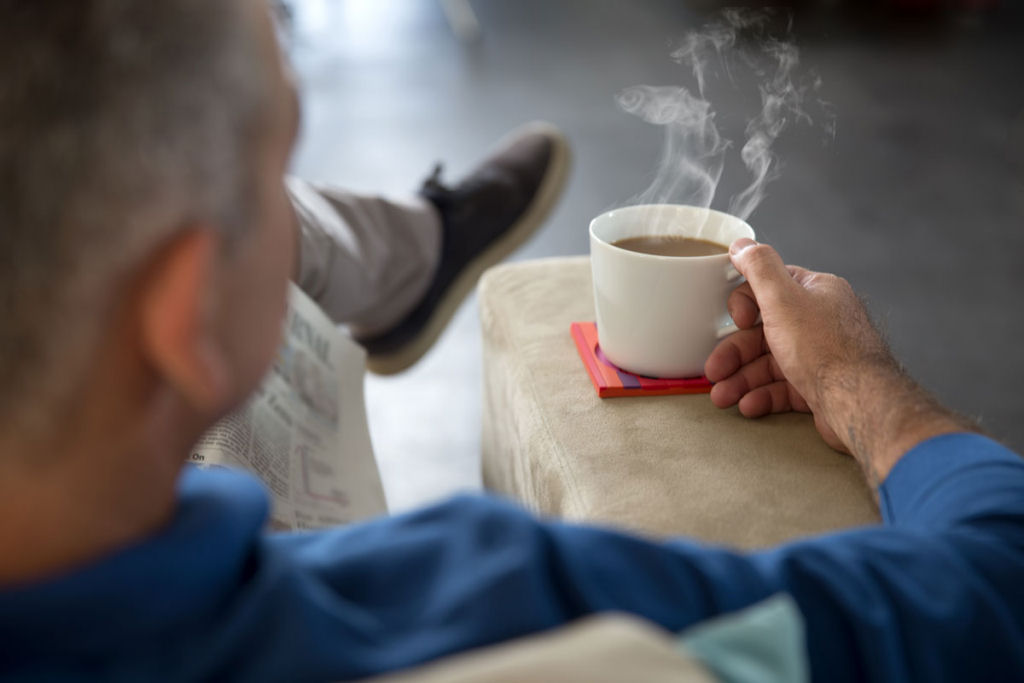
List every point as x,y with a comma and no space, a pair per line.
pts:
304,431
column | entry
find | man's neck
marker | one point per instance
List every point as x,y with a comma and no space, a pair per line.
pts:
70,500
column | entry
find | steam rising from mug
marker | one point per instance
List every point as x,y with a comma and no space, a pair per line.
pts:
694,153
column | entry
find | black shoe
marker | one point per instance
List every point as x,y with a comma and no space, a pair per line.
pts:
484,218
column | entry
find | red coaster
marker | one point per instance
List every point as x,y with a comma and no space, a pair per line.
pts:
611,381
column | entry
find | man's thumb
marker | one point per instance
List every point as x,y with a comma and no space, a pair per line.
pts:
762,266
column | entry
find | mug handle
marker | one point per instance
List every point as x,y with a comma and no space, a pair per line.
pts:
733,276
726,330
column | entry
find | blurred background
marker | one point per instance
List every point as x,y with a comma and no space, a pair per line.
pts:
918,199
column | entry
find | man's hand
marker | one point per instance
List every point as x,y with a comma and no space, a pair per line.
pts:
812,322
817,351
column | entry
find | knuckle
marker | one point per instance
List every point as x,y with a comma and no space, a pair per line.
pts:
843,284
762,262
761,255
838,282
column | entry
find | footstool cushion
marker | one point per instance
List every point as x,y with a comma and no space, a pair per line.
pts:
662,465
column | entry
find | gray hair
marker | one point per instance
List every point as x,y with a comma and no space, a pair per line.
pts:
120,122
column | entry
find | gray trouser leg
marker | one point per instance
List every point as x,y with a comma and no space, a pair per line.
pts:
366,260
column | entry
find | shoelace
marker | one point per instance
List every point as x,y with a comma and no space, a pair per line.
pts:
433,182
435,185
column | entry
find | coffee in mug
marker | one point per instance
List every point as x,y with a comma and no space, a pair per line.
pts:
671,245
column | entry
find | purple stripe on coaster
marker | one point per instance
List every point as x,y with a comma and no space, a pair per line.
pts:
628,379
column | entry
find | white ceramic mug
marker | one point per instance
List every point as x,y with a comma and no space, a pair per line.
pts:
661,316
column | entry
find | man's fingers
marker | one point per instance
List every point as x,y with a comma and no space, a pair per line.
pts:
763,267
743,307
777,397
761,371
734,352
742,303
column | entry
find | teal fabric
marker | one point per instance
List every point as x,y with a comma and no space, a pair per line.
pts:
763,643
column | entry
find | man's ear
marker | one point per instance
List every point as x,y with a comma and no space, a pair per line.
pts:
180,335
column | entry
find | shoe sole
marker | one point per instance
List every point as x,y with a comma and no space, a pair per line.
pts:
548,194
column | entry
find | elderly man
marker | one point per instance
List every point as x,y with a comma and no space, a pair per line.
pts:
147,243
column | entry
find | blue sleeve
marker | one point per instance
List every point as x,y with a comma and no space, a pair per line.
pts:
934,595
937,594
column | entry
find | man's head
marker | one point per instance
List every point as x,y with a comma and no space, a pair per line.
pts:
141,152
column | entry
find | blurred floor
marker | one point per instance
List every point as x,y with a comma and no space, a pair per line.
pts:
919,201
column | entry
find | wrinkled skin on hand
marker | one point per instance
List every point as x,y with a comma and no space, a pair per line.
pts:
806,343
814,330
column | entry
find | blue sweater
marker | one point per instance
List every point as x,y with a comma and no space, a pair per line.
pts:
934,594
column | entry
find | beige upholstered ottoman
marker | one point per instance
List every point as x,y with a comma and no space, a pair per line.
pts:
664,465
